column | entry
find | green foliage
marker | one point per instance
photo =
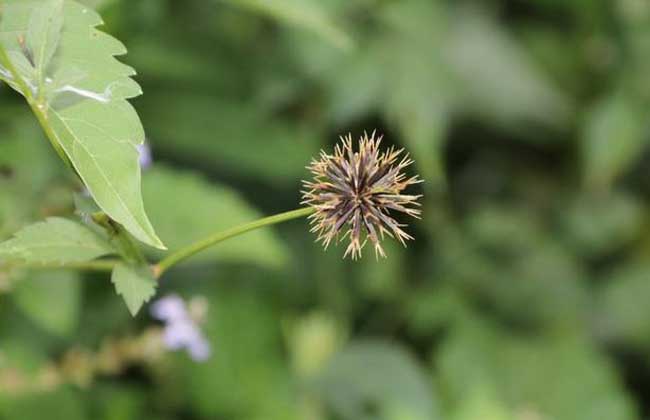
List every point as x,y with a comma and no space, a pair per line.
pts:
308,14
374,379
81,91
615,133
245,335
240,139
56,241
623,297
135,284
62,404
51,299
523,297
43,35
186,208
479,359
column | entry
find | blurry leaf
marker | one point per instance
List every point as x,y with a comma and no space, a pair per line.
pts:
480,405
430,309
518,371
25,189
308,14
56,240
119,402
614,134
498,79
312,340
383,278
167,59
187,208
232,136
24,352
86,91
135,284
599,224
22,141
504,229
246,377
375,379
357,91
520,271
622,314
59,404
417,95
51,299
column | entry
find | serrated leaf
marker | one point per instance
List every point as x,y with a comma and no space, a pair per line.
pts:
51,299
56,240
85,91
135,284
187,207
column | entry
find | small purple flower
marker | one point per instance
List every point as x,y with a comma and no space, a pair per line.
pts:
146,158
181,332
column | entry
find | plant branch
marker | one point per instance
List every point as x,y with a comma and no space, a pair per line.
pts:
178,256
193,249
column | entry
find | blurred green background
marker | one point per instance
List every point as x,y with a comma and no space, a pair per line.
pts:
524,297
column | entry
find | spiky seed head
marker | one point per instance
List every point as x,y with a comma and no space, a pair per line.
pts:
355,192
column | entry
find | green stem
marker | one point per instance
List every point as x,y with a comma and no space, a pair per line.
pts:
39,107
191,250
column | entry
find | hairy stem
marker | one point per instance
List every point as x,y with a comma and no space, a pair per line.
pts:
191,250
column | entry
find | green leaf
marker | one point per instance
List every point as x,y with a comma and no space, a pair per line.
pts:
135,283
378,374
86,110
51,299
417,94
56,240
481,405
62,403
478,358
232,135
623,306
308,14
496,77
598,224
614,135
244,329
186,208
44,33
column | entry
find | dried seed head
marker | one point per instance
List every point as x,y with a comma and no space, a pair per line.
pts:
354,193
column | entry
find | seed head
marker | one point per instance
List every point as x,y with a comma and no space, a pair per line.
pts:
354,192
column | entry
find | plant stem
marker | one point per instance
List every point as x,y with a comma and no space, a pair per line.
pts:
191,250
178,256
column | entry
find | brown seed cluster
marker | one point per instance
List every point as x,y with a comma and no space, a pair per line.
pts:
354,192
